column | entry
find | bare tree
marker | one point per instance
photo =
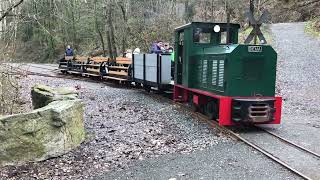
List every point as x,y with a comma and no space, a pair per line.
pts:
6,13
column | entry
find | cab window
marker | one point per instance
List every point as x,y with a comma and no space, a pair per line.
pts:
223,39
202,36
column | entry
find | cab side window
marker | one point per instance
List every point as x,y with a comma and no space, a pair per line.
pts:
181,38
223,37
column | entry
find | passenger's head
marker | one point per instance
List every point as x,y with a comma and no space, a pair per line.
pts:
137,51
68,47
166,46
160,43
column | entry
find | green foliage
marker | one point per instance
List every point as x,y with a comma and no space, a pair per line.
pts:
51,25
313,27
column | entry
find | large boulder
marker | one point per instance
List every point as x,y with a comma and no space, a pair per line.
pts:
47,132
43,95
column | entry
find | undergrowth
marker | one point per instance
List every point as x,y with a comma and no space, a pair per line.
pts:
313,27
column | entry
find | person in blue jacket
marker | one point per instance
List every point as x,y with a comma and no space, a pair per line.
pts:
157,47
69,51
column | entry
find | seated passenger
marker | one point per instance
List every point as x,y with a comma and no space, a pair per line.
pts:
69,51
137,51
171,51
157,47
128,53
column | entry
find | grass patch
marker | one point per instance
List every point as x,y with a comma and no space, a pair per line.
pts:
265,30
313,28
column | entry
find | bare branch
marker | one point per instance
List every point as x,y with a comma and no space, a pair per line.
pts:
308,3
6,13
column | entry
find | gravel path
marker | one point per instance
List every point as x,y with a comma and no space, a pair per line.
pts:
227,160
298,82
123,125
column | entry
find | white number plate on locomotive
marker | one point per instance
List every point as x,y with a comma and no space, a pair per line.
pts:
254,48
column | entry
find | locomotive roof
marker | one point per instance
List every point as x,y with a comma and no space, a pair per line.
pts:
232,25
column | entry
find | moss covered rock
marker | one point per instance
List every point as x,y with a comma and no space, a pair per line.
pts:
43,95
50,131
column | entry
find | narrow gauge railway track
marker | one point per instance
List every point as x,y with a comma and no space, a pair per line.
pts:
24,72
27,66
42,67
309,173
289,142
296,158
16,70
294,161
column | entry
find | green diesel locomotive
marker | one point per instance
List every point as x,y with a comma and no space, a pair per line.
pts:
228,81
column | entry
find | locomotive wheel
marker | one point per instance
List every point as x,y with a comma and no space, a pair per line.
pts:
211,110
192,105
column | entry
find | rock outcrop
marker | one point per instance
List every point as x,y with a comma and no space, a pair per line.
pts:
50,131
43,95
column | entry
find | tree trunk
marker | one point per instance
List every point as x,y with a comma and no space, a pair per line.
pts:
74,35
98,29
125,32
111,34
110,45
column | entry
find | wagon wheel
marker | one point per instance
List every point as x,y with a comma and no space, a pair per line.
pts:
127,84
138,85
147,88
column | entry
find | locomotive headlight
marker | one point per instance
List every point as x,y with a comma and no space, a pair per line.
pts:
216,28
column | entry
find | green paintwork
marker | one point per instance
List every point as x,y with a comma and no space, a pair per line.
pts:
229,70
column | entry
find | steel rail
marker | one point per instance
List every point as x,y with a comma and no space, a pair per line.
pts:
290,142
39,67
22,66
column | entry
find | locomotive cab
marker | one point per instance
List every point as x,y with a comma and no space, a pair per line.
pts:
231,82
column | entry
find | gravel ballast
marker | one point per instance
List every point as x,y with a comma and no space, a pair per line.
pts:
123,125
